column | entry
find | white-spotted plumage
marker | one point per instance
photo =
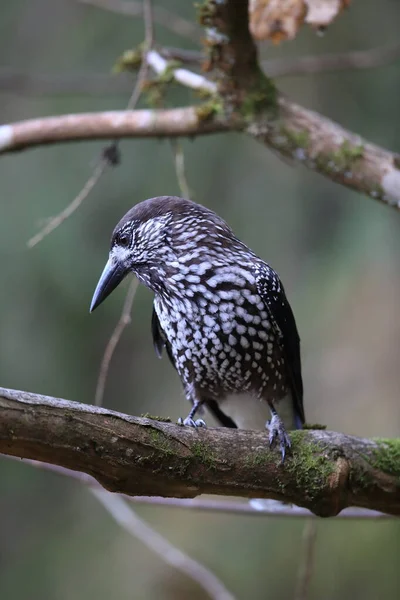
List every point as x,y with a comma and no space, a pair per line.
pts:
220,311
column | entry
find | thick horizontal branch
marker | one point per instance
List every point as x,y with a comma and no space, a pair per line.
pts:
255,507
112,124
325,473
304,135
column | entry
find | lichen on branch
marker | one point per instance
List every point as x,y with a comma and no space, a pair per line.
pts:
325,472
247,101
249,95
232,59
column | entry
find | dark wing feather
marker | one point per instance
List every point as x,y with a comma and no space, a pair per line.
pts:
159,338
282,320
215,410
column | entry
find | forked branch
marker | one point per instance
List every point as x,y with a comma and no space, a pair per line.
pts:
304,135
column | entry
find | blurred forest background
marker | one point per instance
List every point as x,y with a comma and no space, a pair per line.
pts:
336,251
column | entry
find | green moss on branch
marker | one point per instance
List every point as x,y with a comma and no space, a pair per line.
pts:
386,457
204,455
311,464
261,98
212,108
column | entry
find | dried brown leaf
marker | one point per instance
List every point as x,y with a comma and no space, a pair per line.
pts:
321,13
278,20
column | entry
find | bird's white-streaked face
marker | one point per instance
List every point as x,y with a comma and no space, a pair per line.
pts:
157,238
136,247
137,243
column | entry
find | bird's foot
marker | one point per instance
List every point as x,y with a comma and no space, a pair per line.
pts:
189,422
277,432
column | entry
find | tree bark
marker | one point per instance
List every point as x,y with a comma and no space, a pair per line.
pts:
105,125
325,471
246,100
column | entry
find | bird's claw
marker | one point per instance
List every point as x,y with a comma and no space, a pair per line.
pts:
189,422
277,431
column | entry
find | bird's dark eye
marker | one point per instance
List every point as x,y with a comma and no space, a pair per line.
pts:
123,240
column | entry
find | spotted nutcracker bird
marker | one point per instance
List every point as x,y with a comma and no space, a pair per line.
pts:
219,310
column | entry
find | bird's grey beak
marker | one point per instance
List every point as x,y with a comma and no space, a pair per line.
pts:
111,276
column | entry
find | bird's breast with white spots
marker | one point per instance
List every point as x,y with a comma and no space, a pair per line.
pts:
220,333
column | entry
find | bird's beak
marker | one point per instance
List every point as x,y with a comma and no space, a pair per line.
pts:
111,276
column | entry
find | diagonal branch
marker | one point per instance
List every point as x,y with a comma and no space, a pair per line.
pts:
187,78
133,524
110,155
307,560
327,471
162,15
304,135
282,125
179,160
56,221
331,150
123,322
338,61
247,101
27,83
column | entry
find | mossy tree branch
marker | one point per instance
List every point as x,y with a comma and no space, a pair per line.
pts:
325,472
247,101
230,49
248,93
305,136
331,150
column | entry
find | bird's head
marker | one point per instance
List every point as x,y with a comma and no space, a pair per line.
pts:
152,241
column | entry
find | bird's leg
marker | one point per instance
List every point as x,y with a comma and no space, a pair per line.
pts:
189,421
277,431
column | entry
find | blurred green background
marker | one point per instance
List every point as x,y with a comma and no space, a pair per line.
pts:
336,251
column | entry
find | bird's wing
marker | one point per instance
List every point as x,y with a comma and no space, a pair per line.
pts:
224,419
271,290
159,338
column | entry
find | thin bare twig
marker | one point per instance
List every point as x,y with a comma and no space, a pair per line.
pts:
132,523
162,15
300,134
123,322
66,84
110,154
253,508
148,42
308,65
125,318
307,555
190,57
71,208
187,78
102,83
179,160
